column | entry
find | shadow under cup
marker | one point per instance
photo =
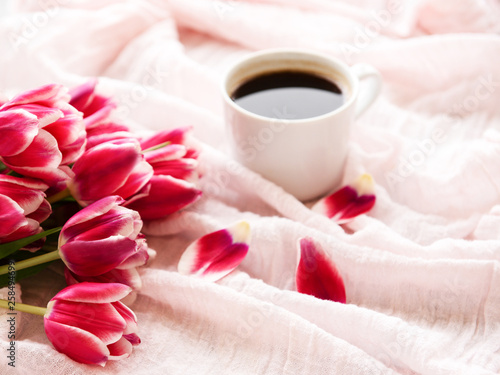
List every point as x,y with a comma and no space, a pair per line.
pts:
304,156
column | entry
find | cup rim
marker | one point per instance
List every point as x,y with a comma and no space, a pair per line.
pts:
346,73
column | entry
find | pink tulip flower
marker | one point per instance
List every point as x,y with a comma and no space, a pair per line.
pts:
110,168
101,237
89,324
97,112
22,208
49,134
175,168
126,272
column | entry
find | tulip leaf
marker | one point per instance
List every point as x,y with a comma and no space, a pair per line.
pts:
11,247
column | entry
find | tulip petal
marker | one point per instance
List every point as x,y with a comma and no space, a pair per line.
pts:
215,255
120,349
92,211
41,159
76,343
100,319
42,213
70,135
140,257
174,136
47,94
133,338
167,195
137,178
18,128
316,274
45,115
27,193
128,277
11,217
116,221
129,317
93,292
91,258
81,96
348,202
168,152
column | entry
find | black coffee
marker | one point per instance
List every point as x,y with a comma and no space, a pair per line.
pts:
289,95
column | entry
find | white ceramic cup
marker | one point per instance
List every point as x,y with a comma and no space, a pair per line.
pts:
305,157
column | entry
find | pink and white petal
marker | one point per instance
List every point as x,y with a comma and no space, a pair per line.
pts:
27,198
94,116
97,139
42,152
11,217
166,153
128,315
184,169
45,115
101,170
114,222
138,259
128,277
100,319
93,292
76,343
348,202
96,257
215,255
29,183
316,274
167,195
174,136
18,128
70,135
92,211
133,338
82,95
138,178
42,213
120,349
49,94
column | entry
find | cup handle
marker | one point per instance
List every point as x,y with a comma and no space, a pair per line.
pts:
372,84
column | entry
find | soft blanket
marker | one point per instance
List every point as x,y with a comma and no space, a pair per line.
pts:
421,269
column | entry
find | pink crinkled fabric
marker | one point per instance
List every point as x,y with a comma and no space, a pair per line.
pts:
421,269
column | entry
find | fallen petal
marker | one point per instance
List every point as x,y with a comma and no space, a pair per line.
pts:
348,202
316,274
215,255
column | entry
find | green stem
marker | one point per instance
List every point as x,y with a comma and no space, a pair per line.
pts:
45,258
59,196
23,307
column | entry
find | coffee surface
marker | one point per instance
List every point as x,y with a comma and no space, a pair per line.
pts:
289,95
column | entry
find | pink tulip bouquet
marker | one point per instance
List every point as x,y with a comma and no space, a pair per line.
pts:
75,187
